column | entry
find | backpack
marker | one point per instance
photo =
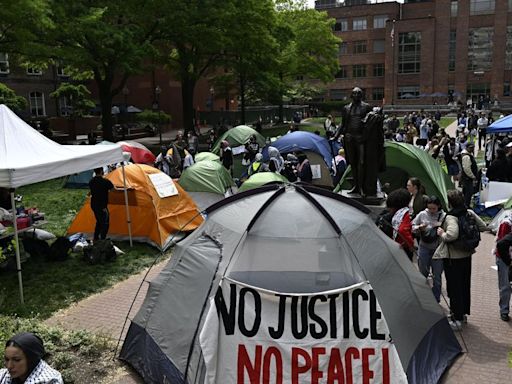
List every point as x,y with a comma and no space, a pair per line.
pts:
60,249
469,234
100,252
36,247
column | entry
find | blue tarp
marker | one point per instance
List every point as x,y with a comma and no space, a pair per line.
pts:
305,141
502,125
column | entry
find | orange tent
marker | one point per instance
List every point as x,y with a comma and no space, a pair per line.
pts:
154,219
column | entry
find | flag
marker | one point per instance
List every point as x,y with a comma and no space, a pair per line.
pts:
392,35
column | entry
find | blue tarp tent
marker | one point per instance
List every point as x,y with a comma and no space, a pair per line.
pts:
503,125
305,141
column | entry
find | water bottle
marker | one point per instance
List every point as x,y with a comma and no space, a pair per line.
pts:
485,179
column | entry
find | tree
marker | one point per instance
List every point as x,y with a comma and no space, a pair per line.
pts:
78,97
9,98
106,40
192,43
307,49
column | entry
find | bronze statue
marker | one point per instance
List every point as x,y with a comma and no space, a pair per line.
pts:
364,143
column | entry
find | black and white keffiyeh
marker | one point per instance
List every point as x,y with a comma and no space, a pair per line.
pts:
42,374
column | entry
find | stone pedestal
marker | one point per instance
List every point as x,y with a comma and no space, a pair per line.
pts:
375,204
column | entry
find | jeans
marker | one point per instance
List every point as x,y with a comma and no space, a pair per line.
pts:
102,223
426,263
503,286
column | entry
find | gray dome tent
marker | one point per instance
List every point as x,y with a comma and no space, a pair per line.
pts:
297,242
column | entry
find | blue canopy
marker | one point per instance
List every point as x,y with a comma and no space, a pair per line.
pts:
305,141
502,125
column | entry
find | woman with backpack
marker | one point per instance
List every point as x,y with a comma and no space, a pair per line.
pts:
458,235
425,225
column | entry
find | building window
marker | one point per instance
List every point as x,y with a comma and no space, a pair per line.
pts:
359,24
454,8
481,7
359,46
379,46
359,70
342,73
64,106
451,50
377,93
338,94
4,63
478,91
379,21
341,25
409,52
378,70
36,100
343,49
510,5
506,88
508,50
32,71
61,72
480,49
409,92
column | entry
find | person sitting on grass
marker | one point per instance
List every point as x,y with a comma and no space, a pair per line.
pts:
24,364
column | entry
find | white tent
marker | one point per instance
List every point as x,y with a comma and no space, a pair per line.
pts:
27,157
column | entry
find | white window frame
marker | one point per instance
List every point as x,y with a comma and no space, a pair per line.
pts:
379,21
4,59
36,101
359,24
64,106
32,71
61,72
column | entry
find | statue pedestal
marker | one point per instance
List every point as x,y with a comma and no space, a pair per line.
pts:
376,204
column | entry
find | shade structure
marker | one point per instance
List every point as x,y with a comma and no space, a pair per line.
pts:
155,220
282,244
206,156
305,141
404,161
238,135
262,178
139,152
27,157
503,125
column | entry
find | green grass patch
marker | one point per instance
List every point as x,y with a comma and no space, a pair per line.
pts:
50,286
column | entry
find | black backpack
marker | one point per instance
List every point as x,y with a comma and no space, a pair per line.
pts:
35,247
100,252
60,249
469,234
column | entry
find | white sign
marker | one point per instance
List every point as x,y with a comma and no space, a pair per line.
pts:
253,336
316,171
238,150
163,184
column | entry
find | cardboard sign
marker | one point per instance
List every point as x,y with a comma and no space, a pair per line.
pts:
316,171
163,184
253,336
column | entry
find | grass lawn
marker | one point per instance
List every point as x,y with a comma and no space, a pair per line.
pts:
50,286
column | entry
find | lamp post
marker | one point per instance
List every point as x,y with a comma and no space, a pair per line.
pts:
156,107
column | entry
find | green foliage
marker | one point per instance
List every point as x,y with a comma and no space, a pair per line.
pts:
148,116
9,98
77,95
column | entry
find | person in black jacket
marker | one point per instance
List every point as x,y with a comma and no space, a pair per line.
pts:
100,187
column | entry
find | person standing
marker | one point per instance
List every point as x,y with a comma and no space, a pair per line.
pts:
100,187
482,124
456,261
418,201
468,173
226,156
502,253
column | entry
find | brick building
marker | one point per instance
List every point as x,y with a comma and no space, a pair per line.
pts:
423,51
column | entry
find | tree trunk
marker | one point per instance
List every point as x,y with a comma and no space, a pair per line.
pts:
187,98
106,112
281,99
242,99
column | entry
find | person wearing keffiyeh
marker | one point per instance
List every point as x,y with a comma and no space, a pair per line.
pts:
24,362
398,204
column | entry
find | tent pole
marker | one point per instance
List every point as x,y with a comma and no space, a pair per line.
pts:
17,247
128,218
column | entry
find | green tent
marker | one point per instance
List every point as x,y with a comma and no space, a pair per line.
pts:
206,176
201,156
404,161
508,204
262,178
238,136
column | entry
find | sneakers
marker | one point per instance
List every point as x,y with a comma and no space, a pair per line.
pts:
456,325
505,317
